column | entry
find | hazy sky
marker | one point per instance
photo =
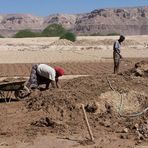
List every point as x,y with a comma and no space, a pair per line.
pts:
46,7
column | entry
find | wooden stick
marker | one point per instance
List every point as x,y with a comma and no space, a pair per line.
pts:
87,123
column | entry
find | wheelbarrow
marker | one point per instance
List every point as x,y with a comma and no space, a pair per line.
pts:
16,88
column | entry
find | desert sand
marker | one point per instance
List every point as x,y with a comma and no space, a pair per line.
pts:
47,50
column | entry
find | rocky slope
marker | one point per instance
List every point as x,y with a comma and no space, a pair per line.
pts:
126,20
129,21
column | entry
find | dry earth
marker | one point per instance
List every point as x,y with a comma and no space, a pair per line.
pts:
53,118
49,50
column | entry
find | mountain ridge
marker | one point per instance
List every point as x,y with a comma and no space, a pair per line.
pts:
127,20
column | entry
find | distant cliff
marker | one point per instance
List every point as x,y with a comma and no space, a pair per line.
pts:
130,21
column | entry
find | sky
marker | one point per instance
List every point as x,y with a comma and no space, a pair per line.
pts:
47,7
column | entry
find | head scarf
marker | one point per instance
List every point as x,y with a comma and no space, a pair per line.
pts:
59,71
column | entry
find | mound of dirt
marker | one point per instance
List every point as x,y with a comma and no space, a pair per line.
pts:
127,103
64,104
140,69
102,104
62,42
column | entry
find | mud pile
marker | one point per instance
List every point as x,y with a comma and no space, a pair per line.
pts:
125,103
140,69
104,106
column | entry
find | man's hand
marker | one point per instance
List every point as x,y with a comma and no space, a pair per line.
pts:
58,86
53,84
121,57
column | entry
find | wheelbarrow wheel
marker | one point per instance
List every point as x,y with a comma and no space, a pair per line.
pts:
22,94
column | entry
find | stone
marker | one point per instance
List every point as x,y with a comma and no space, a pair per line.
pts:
125,130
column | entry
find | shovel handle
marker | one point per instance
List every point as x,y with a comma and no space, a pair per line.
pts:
87,123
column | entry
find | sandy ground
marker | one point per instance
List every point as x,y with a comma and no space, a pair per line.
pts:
47,50
22,123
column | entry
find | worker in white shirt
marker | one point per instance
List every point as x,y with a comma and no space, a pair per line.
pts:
117,53
44,74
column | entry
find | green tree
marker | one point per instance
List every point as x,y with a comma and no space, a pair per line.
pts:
69,36
53,30
25,33
1,36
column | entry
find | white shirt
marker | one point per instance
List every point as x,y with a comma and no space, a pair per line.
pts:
46,71
117,47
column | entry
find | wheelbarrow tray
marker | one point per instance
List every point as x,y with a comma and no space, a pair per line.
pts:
12,86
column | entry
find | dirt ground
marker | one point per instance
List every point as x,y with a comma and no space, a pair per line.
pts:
114,104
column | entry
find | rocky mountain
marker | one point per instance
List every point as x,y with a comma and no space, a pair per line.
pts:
130,21
68,21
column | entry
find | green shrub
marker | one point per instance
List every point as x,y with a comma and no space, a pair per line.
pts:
1,36
26,33
69,36
53,30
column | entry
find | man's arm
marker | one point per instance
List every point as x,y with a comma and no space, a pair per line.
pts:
47,84
57,84
117,51
53,84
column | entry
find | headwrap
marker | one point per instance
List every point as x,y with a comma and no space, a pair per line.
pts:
122,37
59,71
